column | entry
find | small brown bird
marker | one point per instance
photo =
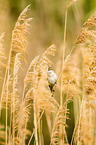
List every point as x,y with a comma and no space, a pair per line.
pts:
52,78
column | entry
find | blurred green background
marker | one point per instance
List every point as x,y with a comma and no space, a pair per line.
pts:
47,27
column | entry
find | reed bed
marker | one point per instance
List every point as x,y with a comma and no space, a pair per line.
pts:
76,83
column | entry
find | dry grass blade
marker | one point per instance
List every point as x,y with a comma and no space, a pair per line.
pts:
70,3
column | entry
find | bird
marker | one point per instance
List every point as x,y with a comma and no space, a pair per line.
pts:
52,79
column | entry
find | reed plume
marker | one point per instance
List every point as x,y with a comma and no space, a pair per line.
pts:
86,41
38,92
9,90
2,65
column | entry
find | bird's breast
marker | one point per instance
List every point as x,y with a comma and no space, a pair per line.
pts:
52,80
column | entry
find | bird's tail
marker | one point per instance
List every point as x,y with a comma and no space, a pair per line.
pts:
51,89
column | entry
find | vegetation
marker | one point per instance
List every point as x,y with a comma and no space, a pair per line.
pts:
26,115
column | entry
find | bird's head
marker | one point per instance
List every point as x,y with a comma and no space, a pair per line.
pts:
50,68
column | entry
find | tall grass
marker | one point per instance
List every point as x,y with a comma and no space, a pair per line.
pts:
76,83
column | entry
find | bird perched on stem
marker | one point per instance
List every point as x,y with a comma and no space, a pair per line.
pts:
52,78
